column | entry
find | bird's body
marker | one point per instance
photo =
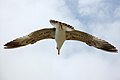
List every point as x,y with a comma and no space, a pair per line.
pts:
60,33
60,38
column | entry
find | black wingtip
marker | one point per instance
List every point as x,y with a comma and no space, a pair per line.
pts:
110,49
113,50
11,45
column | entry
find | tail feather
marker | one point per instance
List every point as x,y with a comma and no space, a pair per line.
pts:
64,26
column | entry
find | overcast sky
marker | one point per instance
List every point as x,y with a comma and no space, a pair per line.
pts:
77,60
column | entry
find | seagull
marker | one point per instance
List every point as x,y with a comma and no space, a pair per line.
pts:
60,32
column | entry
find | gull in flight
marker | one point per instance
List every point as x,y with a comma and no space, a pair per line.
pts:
60,33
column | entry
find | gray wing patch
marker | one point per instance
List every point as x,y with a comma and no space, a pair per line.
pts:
90,40
48,33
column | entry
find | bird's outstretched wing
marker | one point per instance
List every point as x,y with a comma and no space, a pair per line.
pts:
90,40
48,33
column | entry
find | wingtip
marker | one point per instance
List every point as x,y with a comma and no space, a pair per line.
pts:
11,45
5,47
112,50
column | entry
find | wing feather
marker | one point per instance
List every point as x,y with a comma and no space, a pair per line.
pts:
90,40
65,26
48,33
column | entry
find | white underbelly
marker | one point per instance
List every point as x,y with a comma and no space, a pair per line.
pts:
60,37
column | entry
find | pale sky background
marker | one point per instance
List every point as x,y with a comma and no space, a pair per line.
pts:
77,60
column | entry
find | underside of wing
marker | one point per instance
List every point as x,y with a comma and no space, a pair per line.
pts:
48,33
90,40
